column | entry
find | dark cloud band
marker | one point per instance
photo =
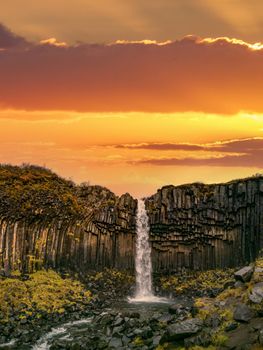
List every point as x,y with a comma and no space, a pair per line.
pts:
214,76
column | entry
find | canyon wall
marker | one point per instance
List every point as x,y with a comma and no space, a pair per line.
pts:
49,221
105,238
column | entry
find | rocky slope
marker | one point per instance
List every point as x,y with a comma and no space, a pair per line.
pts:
48,221
57,312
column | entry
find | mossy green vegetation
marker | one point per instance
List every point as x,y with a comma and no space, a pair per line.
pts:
197,281
34,193
44,292
138,341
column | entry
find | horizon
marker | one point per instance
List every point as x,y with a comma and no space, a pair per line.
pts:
87,183
101,93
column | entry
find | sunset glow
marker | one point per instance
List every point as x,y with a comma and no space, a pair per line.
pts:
130,113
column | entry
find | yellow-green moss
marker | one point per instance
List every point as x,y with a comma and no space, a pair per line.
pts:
219,339
45,291
201,281
138,341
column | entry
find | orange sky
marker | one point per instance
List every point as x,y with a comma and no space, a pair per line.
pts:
134,115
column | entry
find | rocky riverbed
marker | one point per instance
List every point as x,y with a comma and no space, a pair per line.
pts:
96,314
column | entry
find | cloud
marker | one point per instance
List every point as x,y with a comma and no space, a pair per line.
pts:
232,153
108,20
218,75
238,145
161,146
54,42
9,40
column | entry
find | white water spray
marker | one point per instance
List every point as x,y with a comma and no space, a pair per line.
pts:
60,332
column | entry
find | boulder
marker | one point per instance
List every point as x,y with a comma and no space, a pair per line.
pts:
239,284
173,309
179,309
244,274
256,295
156,340
115,343
182,330
166,318
203,340
242,313
118,321
146,332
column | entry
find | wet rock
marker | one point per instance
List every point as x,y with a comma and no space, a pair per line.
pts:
166,318
138,332
244,274
173,308
231,326
115,343
260,337
125,340
119,321
178,309
182,329
203,340
242,313
146,333
102,344
156,340
240,339
132,323
135,315
213,321
117,331
239,284
256,295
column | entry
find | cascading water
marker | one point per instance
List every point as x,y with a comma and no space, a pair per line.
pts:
143,260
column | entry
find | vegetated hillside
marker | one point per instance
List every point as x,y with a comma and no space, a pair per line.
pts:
32,192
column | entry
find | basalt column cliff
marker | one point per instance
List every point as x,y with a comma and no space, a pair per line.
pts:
49,221
206,226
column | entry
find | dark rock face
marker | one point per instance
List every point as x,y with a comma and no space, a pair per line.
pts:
206,226
45,220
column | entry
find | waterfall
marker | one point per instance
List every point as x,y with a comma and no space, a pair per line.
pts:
143,260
